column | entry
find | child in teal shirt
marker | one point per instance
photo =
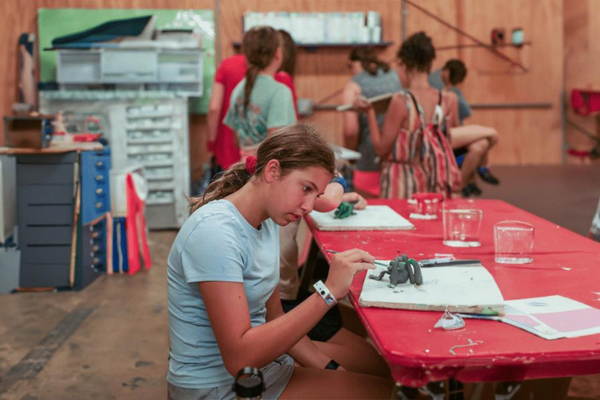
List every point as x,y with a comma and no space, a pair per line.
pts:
259,104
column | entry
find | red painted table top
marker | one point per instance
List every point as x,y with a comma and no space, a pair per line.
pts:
565,264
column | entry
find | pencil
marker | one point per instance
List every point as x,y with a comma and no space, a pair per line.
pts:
375,262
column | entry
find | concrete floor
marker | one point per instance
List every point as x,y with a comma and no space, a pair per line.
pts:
118,351
110,341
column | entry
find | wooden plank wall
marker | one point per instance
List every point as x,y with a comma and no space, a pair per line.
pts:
324,72
527,136
582,58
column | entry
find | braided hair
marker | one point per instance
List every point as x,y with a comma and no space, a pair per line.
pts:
260,45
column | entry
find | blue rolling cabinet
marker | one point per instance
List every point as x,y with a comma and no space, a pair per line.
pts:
95,195
46,187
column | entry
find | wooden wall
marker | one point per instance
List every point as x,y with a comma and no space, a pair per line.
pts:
528,136
582,58
321,73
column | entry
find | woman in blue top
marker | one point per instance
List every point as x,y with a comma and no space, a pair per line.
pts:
223,300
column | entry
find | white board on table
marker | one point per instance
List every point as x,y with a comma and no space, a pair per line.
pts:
466,289
342,153
372,218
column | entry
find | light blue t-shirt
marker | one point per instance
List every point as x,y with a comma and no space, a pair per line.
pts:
216,243
271,106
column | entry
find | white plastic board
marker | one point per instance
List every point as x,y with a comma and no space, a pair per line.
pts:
372,218
467,289
342,153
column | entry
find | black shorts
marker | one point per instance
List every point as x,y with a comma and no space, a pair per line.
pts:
460,151
326,328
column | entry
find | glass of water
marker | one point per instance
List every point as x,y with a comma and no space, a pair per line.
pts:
513,242
462,227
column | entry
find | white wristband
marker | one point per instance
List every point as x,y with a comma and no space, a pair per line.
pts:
325,294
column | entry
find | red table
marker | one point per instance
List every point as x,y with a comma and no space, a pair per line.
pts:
417,353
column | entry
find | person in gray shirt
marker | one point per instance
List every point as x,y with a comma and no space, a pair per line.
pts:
371,77
472,141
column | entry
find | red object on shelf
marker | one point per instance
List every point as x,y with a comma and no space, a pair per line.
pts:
578,153
86,137
585,101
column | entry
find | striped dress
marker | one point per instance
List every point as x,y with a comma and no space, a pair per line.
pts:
408,169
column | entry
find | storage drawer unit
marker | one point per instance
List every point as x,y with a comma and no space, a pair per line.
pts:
45,182
171,70
152,132
155,135
95,188
45,210
91,257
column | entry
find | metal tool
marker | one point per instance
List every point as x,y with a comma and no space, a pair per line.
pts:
445,262
375,262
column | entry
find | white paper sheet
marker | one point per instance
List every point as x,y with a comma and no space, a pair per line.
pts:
372,218
550,317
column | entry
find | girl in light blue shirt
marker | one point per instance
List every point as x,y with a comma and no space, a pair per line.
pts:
223,273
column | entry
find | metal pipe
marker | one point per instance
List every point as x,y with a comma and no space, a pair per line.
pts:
475,45
511,105
582,130
404,15
563,114
563,123
324,107
465,34
483,106
217,19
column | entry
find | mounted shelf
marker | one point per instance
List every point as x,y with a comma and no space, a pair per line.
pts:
178,70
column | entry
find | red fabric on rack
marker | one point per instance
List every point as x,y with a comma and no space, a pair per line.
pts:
135,224
585,101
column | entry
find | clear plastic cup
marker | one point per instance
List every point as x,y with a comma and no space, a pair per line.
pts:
513,242
462,226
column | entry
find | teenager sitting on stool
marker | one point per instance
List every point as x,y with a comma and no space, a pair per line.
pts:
472,141
223,274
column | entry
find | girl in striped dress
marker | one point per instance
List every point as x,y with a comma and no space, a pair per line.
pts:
415,156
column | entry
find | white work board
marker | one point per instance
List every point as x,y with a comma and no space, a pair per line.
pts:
380,102
342,153
466,289
372,218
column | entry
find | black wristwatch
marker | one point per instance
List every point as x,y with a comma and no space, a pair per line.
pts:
332,365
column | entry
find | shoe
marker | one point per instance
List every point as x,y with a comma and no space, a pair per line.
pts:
487,176
471,190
